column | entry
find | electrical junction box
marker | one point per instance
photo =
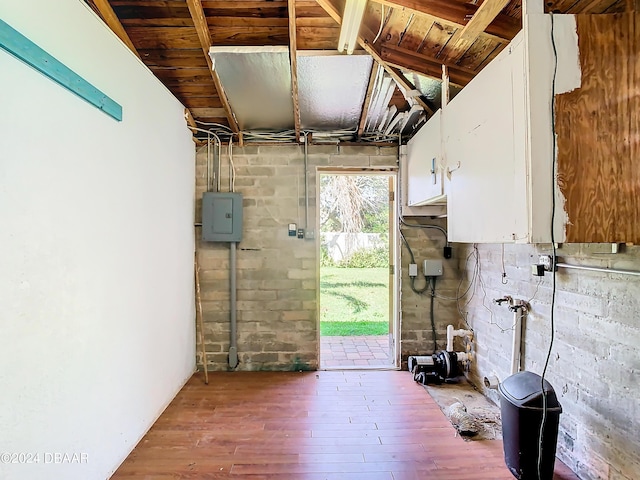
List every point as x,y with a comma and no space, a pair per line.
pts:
432,268
413,269
221,217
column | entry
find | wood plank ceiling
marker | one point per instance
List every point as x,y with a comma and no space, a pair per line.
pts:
172,37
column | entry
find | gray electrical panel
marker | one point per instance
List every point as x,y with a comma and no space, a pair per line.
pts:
222,217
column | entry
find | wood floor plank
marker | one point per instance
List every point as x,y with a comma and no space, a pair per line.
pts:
333,425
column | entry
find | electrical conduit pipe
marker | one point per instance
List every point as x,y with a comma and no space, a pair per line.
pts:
233,333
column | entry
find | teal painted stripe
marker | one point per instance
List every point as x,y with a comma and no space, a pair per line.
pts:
24,49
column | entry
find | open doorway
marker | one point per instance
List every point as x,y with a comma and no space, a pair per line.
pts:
358,319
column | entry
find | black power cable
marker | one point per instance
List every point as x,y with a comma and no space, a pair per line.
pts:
545,407
412,279
430,282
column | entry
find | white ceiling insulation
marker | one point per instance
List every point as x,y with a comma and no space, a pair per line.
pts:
379,112
257,81
331,90
430,88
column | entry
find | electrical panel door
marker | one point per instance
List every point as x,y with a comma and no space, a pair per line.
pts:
222,217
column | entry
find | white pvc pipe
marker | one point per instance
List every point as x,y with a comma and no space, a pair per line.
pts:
449,338
491,382
463,357
452,333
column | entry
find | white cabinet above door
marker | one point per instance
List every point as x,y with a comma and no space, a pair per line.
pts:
425,178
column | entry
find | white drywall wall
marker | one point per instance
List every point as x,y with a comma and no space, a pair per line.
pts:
96,251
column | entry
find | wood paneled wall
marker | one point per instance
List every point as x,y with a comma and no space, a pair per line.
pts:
598,132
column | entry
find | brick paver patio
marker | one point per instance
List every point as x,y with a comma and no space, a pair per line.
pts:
361,351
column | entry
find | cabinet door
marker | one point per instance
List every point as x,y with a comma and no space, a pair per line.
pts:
424,165
483,138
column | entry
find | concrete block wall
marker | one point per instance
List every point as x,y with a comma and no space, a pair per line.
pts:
277,274
416,332
594,366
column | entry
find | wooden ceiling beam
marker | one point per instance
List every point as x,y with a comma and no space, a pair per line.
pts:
367,99
366,43
199,20
464,38
113,22
189,118
408,87
424,64
293,57
502,26
234,4
397,76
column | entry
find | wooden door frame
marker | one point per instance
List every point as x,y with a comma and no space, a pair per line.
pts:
394,278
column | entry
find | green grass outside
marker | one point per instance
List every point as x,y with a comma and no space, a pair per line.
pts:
354,301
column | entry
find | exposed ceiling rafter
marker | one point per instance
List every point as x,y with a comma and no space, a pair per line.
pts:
365,42
410,88
202,29
113,22
465,37
293,57
502,26
424,64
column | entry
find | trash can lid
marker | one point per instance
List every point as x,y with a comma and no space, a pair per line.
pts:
524,390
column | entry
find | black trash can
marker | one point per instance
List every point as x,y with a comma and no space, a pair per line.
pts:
521,406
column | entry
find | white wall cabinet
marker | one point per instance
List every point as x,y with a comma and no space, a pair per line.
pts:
495,146
425,169
484,141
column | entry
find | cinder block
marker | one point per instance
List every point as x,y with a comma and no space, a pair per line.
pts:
240,151
351,150
383,161
297,294
315,150
264,357
349,161
320,161
281,150
256,295
299,274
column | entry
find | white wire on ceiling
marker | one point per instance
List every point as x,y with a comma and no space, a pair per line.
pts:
381,25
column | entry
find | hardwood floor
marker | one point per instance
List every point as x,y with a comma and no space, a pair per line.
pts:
325,425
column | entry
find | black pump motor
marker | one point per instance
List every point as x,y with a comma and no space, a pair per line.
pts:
436,368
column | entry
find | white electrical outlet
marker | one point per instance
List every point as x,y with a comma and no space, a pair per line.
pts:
545,261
